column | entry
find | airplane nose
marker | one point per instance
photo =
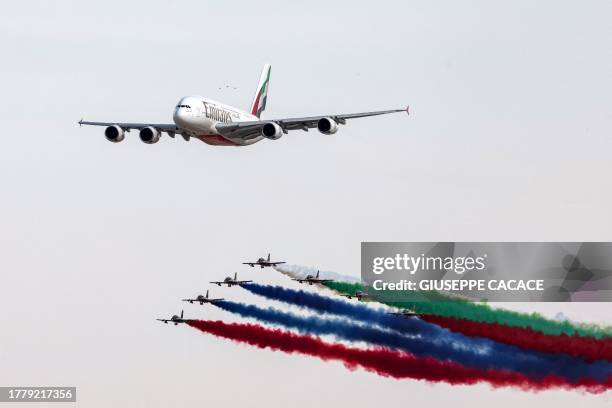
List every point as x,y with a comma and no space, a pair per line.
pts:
180,116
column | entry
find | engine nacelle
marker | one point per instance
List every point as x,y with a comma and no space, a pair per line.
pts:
114,133
271,131
149,135
327,126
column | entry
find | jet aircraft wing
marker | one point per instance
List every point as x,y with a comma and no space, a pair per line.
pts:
169,128
252,129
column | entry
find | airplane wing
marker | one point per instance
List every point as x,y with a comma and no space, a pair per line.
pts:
219,282
276,263
248,263
241,282
169,128
324,280
252,129
163,320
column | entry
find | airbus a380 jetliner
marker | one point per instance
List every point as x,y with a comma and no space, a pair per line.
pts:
219,124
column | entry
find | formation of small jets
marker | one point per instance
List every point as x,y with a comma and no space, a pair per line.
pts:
263,263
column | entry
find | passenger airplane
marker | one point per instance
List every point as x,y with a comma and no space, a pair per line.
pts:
231,281
216,123
202,299
309,279
263,262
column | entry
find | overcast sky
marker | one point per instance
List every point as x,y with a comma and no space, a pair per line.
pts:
509,139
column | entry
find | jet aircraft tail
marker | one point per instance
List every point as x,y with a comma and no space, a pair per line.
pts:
261,95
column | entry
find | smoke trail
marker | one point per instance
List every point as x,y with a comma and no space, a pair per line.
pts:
443,314
531,365
300,272
539,363
585,347
478,312
355,311
379,360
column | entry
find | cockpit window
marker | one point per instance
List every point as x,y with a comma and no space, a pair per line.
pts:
183,106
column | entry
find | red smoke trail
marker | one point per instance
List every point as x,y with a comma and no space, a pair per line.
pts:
382,361
588,348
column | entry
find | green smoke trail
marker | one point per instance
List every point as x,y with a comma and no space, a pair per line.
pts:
437,304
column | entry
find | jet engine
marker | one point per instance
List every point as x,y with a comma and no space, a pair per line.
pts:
149,135
114,133
271,131
327,126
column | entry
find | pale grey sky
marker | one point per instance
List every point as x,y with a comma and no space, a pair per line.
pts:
509,139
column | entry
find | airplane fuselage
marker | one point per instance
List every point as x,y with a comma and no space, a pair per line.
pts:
198,116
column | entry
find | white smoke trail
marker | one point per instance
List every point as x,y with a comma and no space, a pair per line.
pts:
300,272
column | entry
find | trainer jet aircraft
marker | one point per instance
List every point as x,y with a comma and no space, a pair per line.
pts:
263,263
405,313
175,319
359,295
309,279
231,281
202,299
219,124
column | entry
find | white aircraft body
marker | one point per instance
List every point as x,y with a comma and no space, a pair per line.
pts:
203,299
229,281
219,124
310,279
176,319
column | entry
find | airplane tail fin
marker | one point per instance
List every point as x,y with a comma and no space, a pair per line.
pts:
206,293
268,257
235,275
318,274
181,314
261,95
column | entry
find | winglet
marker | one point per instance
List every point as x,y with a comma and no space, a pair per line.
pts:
408,110
81,122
